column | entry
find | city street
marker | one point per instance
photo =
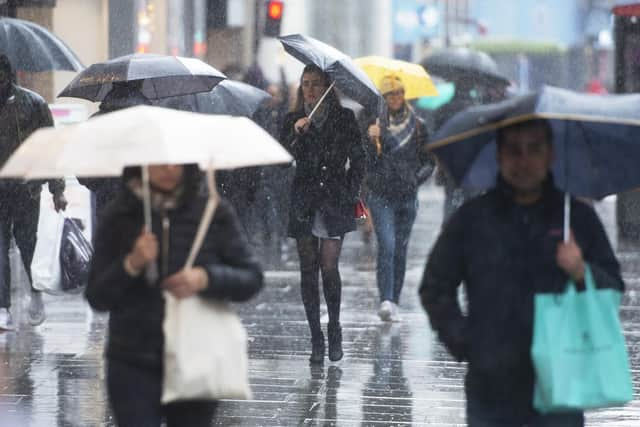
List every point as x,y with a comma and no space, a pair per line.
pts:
391,374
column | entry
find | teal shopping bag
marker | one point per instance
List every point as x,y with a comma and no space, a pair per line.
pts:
578,351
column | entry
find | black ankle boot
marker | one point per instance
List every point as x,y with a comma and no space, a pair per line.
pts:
335,342
317,349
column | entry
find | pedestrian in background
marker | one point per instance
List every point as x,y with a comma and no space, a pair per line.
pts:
225,269
506,246
398,164
330,165
21,113
122,95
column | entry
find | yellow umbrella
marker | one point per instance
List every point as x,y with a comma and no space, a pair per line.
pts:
416,80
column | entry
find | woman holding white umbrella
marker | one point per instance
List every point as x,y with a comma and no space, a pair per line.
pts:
225,269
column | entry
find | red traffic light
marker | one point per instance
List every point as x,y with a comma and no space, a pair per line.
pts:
274,9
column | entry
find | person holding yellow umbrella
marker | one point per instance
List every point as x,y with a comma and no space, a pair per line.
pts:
398,164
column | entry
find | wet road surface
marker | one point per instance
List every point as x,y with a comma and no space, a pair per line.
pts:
391,375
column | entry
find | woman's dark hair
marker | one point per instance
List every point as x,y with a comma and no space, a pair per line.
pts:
331,99
528,124
191,178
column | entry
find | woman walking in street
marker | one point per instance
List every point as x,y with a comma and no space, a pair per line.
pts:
398,164
330,165
224,270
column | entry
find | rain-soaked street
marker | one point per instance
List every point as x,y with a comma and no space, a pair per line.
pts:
392,374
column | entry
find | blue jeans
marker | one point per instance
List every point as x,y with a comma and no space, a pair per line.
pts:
392,221
484,415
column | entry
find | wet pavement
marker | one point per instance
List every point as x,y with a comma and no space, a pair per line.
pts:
391,375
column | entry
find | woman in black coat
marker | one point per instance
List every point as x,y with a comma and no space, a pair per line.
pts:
330,165
224,269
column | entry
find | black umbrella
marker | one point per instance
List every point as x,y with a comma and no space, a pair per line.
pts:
33,48
346,75
229,97
462,64
161,76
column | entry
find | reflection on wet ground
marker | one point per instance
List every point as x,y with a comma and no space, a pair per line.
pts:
391,375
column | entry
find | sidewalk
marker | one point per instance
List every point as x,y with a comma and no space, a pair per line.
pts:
392,374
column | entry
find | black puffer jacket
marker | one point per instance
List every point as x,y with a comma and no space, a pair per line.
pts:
505,253
330,167
137,308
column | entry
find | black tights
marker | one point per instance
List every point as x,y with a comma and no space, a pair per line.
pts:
320,254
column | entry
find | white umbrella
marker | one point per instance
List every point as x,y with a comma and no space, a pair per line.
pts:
142,136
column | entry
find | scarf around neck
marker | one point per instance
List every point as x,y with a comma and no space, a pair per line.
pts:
319,117
400,129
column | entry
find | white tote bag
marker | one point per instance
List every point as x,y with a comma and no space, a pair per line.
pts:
205,344
205,351
45,265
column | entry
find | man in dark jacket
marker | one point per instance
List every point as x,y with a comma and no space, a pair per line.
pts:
122,95
21,112
506,245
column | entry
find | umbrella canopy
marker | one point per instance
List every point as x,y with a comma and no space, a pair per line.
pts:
161,76
446,90
462,64
348,77
229,97
415,79
596,140
33,48
143,135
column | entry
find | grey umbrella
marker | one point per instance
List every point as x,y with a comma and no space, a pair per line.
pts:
160,76
344,72
33,48
229,97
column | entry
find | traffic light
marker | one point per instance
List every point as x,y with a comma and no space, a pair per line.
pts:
273,18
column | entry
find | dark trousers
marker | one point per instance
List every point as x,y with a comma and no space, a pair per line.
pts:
392,221
480,414
18,216
135,392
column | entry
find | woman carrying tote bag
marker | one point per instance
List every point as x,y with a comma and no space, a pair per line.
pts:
224,270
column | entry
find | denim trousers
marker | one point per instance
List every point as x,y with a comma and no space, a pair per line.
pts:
392,222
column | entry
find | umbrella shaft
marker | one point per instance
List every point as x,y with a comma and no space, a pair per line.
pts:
326,92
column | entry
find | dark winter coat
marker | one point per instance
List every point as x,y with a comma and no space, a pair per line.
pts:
504,253
397,174
137,308
23,113
330,167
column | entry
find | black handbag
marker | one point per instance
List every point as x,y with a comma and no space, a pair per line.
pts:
75,256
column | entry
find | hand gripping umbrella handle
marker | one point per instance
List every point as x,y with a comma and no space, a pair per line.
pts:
207,216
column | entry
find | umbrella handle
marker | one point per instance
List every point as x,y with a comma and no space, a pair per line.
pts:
376,140
205,221
567,218
326,92
152,270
